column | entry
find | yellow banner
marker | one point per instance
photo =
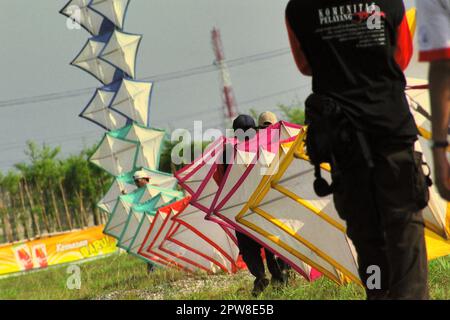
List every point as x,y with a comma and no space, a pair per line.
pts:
54,250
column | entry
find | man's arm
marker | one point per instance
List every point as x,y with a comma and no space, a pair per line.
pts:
440,106
440,98
434,40
299,55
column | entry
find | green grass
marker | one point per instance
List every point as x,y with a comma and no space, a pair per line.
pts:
124,277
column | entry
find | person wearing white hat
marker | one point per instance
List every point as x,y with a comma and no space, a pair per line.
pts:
141,179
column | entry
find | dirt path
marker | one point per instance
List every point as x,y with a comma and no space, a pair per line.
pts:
179,287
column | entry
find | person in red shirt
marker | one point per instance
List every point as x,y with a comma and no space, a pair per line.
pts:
355,53
434,41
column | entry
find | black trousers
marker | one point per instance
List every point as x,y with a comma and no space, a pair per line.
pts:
384,219
251,253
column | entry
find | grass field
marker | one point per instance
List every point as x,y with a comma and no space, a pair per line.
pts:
123,277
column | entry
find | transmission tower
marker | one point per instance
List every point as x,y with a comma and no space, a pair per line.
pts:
228,98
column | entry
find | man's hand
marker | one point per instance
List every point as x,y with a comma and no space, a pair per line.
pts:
442,172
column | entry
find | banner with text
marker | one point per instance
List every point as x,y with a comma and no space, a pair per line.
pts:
54,250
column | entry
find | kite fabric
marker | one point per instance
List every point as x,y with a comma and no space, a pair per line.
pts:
198,179
108,56
124,150
89,60
98,111
91,20
114,106
145,199
132,100
285,209
437,214
290,191
125,185
116,156
159,198
113,10
121,50
256,161
180,237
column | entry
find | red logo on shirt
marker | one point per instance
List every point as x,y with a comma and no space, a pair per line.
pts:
363,16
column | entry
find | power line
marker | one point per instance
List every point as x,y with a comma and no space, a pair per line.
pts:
90,134
49,139
64,140
156,78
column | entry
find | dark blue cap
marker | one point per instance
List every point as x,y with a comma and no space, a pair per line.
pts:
244,122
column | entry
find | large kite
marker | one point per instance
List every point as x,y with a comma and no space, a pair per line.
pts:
179,236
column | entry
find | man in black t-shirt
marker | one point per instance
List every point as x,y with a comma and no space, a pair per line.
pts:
356,52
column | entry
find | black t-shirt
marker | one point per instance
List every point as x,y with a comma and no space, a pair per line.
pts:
354,63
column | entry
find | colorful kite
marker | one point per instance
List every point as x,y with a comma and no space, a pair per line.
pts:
268,195
252,163
125,185
283,208
180,237
198,178
160,198
146,199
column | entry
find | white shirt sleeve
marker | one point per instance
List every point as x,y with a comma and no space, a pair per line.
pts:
434,29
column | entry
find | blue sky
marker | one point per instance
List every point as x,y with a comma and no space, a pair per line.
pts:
39,47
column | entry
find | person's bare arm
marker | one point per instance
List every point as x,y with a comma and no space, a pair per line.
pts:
440,98
440,106
299,56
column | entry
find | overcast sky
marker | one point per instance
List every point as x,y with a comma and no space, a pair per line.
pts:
37,48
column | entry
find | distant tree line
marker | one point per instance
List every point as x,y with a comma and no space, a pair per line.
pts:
48,195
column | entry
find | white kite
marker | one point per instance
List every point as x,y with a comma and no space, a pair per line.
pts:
98,111
114,10
89,60
129,148
132,100
82,14
120,51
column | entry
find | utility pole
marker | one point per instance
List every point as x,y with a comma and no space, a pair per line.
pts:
228,98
